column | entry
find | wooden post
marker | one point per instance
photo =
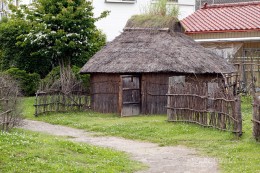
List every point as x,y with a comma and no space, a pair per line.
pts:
143,95
256,118
36,105
174,81
238,117
120,96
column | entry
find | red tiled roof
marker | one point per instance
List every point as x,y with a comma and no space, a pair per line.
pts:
233,17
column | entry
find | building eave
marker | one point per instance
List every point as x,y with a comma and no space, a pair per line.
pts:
246,39
220,31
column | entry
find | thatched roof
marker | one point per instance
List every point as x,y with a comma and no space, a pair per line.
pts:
143,50
148,22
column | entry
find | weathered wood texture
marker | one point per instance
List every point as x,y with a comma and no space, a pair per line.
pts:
131,96
256,118
10,115
105,93
248,69
155,88
109,92
206,104
58,101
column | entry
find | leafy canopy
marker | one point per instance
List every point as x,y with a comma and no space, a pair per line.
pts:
50,32
64,29
13,55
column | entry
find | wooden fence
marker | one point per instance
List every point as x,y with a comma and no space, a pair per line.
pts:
10,112
256,117
248,70
205,104
58,101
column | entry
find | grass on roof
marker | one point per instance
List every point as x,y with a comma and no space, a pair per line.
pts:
151,21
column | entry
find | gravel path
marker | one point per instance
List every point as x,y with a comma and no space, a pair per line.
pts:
159,159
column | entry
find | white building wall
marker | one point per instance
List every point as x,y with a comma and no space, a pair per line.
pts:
25,1
113,24
4,6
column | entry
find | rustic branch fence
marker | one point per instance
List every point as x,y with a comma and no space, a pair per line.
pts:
10,114
205,104
62,95
248,70
58,101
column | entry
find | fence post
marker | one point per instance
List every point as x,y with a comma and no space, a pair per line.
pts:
238,116
36,105
256,119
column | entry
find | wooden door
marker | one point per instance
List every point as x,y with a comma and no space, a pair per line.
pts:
131,96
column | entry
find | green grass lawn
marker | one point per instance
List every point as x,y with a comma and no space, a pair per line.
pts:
233,154
23,151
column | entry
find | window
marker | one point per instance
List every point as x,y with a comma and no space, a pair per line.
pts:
121,1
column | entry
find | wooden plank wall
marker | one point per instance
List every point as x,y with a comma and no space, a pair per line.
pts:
131,96
105,92
155,87
153,91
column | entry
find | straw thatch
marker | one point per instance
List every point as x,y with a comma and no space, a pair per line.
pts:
153,22
145,50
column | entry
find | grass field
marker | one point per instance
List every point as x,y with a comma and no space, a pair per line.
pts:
233,154
24,151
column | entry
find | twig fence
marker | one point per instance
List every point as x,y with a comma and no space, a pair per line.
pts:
206,104
59,101
248,70
10,115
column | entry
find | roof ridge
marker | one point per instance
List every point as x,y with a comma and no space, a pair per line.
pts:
206,6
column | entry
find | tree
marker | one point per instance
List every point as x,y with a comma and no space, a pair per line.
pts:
47,33
63,29
13,55
28,82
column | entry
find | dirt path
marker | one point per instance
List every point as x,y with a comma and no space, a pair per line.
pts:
159,159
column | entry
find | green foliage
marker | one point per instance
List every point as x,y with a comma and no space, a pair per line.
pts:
37,37
151,21
162,8
233,154
55,75
29,82
12,55
64,30
24,151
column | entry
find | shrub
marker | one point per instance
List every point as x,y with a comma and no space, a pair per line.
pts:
162,8
29,82
54,75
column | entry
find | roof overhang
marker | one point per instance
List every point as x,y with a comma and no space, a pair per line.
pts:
247,39
189,32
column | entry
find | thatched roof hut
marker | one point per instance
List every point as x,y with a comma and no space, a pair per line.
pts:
143,49
151,49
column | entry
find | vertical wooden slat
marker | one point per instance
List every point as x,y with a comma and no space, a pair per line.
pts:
120,96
